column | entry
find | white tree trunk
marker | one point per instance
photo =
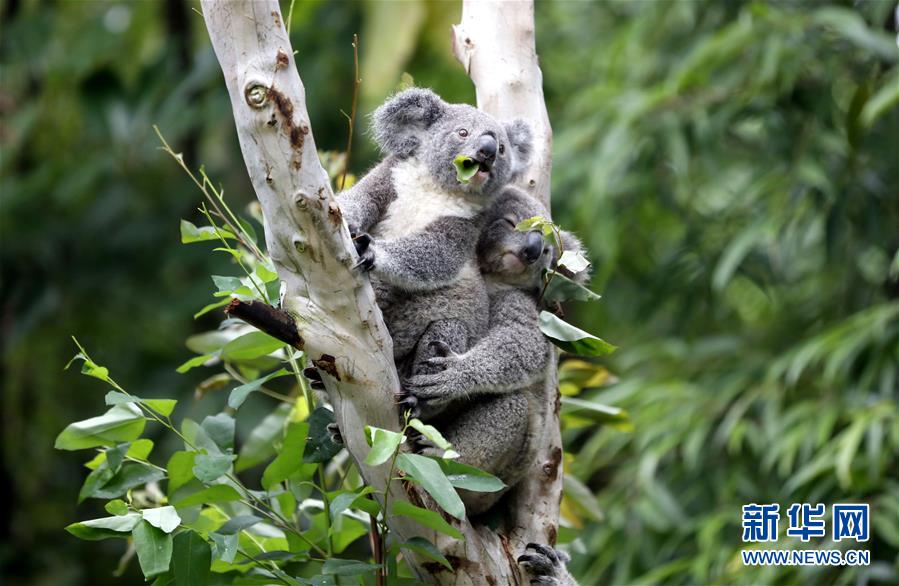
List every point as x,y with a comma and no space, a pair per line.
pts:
334,307
495,42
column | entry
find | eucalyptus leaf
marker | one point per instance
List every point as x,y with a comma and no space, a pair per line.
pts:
339,567
239,394
426,518
423,547
191,559
190,233
220,429
210,467
466,168
194,362
571,339
89,367
117,526
430,432
224,547
180,470
561,288
162,406
226,284
383,444
130,476
153,547
580,494
248,228
139,449
104,473
428,474
260,445
198,437
122,423
211,307
470,478
347,500
595,412
116,507
574,261
250,346
219,493
290,457
164,518
237,524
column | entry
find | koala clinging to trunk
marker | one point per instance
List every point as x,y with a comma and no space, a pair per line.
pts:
416,218
489,400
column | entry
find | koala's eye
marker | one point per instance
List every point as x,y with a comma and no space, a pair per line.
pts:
502,149
463,132
510,222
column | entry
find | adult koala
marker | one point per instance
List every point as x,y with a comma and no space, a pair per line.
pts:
416,223
490,399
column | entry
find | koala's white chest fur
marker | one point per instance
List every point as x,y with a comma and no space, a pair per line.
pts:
419,201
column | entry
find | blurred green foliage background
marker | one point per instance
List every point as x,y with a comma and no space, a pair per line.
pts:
733,167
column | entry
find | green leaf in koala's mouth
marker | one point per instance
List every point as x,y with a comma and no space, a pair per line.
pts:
466,168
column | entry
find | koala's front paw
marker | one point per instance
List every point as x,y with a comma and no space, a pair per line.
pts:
546,565
365,251
433,390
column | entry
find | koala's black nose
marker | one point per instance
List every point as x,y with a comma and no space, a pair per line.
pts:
534,247
487,147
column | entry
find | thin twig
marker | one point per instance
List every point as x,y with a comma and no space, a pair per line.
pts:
290,16
239,232
352,117
374,538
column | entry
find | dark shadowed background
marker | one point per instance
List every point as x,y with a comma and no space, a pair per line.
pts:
733,167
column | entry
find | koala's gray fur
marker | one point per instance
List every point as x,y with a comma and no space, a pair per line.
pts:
490,399
424,223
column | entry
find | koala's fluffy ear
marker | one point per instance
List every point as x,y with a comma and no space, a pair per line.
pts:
521,139
572,243
399,123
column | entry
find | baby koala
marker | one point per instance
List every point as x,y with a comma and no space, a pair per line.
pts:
489,400
416,218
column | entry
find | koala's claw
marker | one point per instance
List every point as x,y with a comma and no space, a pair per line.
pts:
546,565
544,550
407,402
334,432
361,242
366,260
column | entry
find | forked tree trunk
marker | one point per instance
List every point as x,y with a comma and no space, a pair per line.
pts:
334,307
